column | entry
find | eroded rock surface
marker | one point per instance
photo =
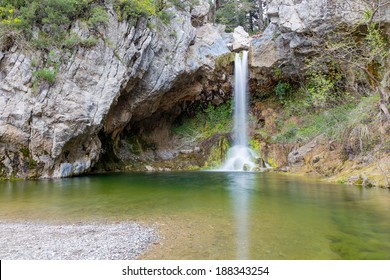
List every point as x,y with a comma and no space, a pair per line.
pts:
55,130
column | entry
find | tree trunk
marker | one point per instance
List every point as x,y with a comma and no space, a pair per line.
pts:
261,16
217,4
251,15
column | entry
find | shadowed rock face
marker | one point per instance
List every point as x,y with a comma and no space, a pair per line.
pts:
52,130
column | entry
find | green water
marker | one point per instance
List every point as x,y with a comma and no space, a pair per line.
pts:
212,215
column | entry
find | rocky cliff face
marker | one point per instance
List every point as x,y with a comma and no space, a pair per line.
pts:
56,130
295,31
319,15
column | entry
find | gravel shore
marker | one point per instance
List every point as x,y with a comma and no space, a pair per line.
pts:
40,241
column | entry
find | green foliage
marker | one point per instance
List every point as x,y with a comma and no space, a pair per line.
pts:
282,90
278,73
255,145
207,122
71,41
223,61
31,164
74,40
46,23
89,42
8,16
53,59
25,152
217,153
287,133
134,8
54,16
377,43
233,13
50,18
165,16
297,103
367,15
99,17
321,89
46,74
357,54
331,122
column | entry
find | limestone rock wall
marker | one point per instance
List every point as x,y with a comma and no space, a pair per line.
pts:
52,130
288,40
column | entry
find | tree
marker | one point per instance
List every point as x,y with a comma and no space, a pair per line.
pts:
260,20
246,13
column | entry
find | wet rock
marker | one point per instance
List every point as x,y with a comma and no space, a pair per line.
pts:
149,168
360,181
367,183
283,169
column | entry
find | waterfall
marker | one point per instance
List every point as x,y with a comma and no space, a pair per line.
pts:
240,156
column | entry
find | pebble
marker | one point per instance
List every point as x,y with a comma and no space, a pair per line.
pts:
42,241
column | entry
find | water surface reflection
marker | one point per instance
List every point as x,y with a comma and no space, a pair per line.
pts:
240,186
217,215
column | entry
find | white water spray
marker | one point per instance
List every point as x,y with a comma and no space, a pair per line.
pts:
240,156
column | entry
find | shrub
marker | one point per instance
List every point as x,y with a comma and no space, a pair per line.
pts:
8,16
165,16
282,90
51,17
320,89
46,74
89,42
99,17
71,41
207,122
134,8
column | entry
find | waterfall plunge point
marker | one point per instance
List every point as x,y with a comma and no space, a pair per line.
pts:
240,156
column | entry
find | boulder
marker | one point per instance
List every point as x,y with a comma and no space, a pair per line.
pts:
314,15
241,39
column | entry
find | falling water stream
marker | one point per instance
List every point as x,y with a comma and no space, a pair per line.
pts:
240,156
